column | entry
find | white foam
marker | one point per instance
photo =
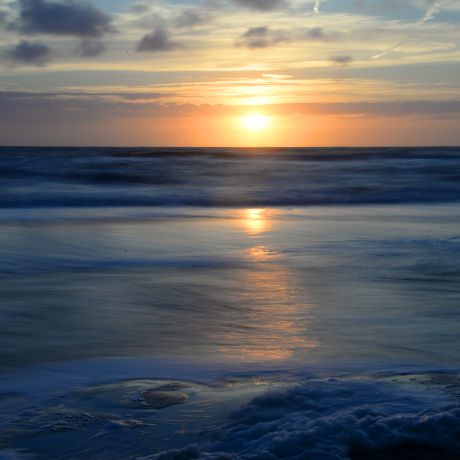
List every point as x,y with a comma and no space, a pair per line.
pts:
328,419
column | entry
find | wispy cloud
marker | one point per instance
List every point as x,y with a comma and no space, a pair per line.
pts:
41,108
434,8
430,13
317,6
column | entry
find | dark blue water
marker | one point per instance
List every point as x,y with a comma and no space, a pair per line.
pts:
226,177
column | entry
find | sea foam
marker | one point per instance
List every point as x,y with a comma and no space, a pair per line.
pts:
332,420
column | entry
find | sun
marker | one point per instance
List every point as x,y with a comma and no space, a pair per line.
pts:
255,121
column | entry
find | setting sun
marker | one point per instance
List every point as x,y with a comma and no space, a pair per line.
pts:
255,121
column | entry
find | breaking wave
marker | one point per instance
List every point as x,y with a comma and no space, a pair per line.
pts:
333,420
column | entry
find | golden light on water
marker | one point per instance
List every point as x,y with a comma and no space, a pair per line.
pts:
272,304
255,221
261,253
274,314
255,213
255,121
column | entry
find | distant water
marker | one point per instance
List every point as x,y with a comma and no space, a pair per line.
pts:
229,304
47,177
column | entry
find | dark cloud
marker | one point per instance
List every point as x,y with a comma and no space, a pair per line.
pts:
264,37
261,37
40,108
158,40
317,33
341,59
62,18
191,18
261,5
17,108
90,48
29,53
63,96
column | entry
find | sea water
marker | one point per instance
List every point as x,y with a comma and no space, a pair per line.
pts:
229,303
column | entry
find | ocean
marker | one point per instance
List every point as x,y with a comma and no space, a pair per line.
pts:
229,304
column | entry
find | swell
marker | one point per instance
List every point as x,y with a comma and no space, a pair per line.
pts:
88,177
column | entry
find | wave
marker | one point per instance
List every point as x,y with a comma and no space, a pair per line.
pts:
332,420
41,264
89,177
217,412
303,153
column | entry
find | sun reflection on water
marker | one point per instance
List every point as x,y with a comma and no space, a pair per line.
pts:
275,319
261,252
256,221
274,311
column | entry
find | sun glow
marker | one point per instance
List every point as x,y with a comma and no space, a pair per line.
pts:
255,221
255,121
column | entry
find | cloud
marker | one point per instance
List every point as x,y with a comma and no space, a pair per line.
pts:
90,48
158,40
261,5
62,18
264,37
29,53
317,6
343,59
41,108
316,33
191,18
423,109
389,50
17,107
431,11
261,37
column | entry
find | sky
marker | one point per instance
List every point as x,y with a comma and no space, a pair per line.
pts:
191,72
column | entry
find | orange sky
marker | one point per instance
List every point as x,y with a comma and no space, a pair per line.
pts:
186,73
